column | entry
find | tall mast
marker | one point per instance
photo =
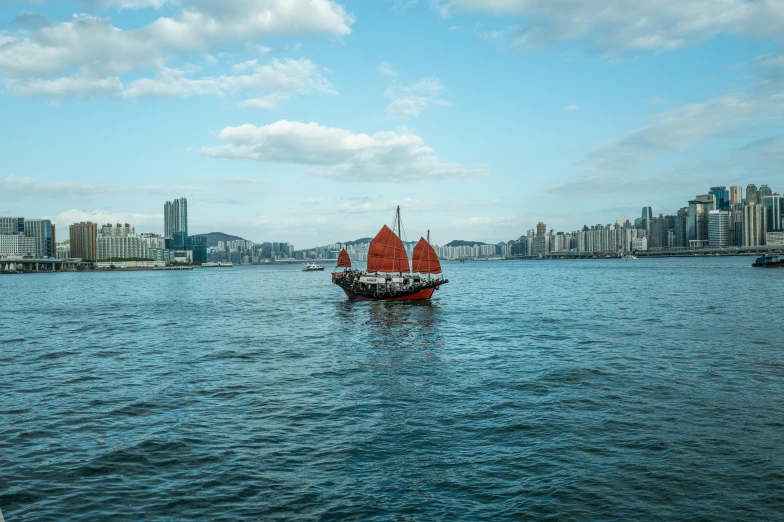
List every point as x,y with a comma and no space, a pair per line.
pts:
400,230
428,242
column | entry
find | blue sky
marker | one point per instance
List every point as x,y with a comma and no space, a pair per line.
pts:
309,120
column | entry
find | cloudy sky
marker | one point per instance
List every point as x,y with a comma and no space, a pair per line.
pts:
309,120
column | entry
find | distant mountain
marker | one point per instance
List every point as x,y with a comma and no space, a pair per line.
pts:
359,241
460,242
214,237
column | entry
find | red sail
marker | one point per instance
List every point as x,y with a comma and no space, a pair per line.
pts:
425,260
387,253
343,259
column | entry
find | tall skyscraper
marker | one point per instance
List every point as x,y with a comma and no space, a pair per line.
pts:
721,197
698,217
541,229
754,222
763,191
736,197
751,194
718,228
647,212
681,228
175,217
773,206
84,240
43,232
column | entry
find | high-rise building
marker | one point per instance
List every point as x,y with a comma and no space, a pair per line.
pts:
541,229
198,245
43,232
175,217
736,227
84,240
736,197
754,223
681,229
721,197
17,245
751,194
698,217
773,206
718,228
657,237
11,225
122,247
763,191
108,230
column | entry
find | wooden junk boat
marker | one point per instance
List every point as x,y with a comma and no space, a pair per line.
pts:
389,277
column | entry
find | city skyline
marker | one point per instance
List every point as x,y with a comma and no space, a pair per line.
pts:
313,124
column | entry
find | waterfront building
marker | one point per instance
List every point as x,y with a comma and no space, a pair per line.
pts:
42,231
773,208
540,244
721,196
11,225
541,229
639,244
698,217
607,239
754,223
736,227
175,217
153,240
718,228
774,239
17,245
681,229
63,250
122,247
658,233
198,246
84,240
736,197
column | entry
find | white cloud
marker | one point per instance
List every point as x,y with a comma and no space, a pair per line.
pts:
135,219
409,101
275,82
86,53
28,188
337,153
622,25
387,70
170,191
572,107
238,180
489,221
616,165
312,201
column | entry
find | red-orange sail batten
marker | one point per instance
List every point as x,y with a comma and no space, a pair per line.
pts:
425,260
387,253
343,259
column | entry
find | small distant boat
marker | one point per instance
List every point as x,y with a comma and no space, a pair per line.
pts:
768,262
389,276
626,256
312,267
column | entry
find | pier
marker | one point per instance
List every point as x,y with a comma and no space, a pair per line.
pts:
29,265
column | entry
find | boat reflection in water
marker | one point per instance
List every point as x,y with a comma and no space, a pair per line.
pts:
389,276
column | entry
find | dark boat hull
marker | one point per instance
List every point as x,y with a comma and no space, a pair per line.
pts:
416,295
779,264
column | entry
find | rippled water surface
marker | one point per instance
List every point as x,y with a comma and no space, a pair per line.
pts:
586,390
